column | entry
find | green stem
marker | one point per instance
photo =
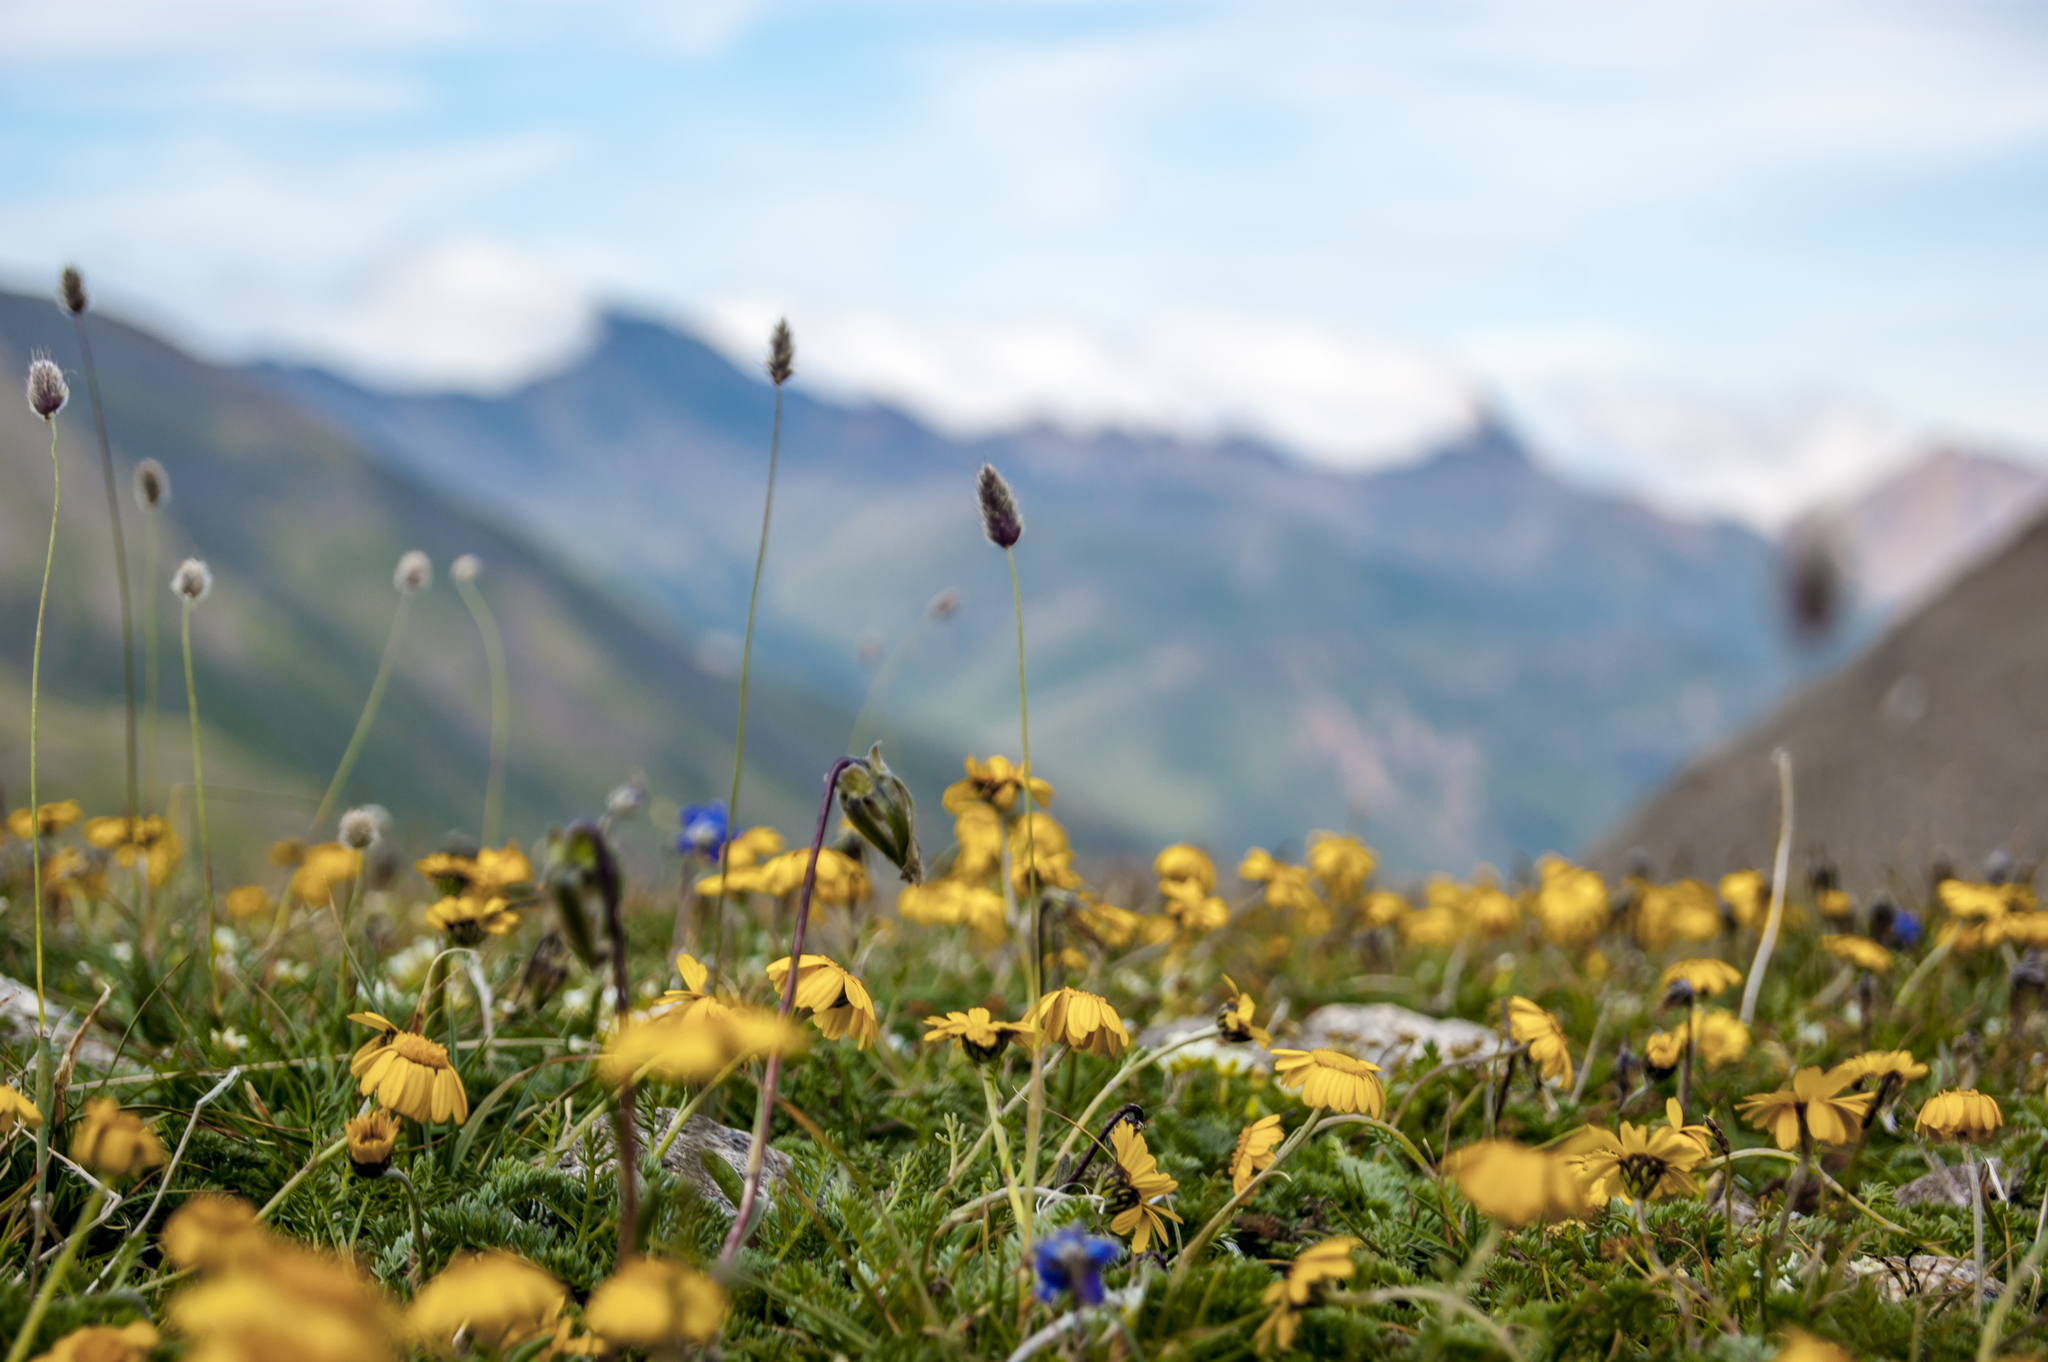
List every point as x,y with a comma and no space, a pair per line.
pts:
99,417
35,674
739,746
419,1238
689,1109
199,802
1138,1060
369,715
1987,1342
1034,1112
995,1124
1193,1248
152,538
322,1157
501,705
25,1340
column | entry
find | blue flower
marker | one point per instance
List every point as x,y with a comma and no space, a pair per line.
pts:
704,829
1072,1260
1906,929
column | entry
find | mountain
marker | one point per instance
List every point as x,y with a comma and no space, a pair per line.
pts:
1463,658
302,530
1912,533
1931,745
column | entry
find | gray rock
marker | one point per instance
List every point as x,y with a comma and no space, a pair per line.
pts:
700,1136
1389,1035
18,1026
1922,1274
1952,1186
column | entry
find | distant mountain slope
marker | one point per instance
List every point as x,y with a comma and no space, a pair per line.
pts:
302,532
1465,658
1933,742
1914,532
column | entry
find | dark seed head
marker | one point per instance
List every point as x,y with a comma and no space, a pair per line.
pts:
1000,519
71,290
781,354
47,390
152,485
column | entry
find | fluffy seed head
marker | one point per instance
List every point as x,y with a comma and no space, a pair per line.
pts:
626,800
358,828
71,290
781,354
944,606
47,390
415,572
192,580
465,568
152,485
1000,518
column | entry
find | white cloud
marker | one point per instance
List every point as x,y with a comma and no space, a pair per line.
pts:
1337,400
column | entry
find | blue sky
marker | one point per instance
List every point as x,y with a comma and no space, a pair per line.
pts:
1734,255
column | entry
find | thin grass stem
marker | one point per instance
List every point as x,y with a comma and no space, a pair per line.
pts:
369,714
99,417
501,704
199,802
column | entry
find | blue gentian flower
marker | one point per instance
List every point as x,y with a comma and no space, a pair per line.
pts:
1906,929
704,829
1072,1261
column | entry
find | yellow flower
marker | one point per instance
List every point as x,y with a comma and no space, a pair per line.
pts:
286,1304
1255,1145
1963,899
1331,1081
1638,1162
694,975
482,876
1329,1261
1234,1018
954,903
752,847
47,821
1083,1022
1138,1182
1437,925
841,880
247,901
1800,1346
468,919
1197,916
996,782
1185,871
1517,1185
1708,977
1684,911
1859,951
1831,1118
68,875
1964,1114
1748,896
839,1003
371,1139
1883,1064
408,1073
150,838
114,1143
105,1343
1040,855
1343,864
1385,908
1571,902
323,867
1287,890
496,1299
1664,1051
17,1110
1549,1050
289,852
211,1231
1674,1117
1723,1038
693,1042
979,1033
651,1303
1491,912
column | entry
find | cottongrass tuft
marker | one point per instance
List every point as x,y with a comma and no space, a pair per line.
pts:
71,290
415,572
944,606
47,390
465,568
1001,521
193,580
152,486
359,828
781,354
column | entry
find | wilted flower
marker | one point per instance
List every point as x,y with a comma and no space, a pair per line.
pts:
1138,1182
192,580
1254,1152
47,390
371,1138
1329,1261
839,1002
1814,1098
415,572
1964,1114
496,1299
151,486
1332,1081
408,1073
1083,1022
114,1143
980,1035
1517,1185
1549,1049
652,1303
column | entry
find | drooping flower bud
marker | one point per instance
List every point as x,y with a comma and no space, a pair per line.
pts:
152,485
415,572
47,390
880,808
71,290
192,580
781,354
1000,518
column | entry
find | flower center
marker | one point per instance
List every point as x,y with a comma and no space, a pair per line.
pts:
419,1050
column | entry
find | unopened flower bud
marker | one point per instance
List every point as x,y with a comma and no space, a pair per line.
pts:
880,808
358,828
415,572
465,568
71,290
152,485
1000,519
192,580
47,390
781,354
